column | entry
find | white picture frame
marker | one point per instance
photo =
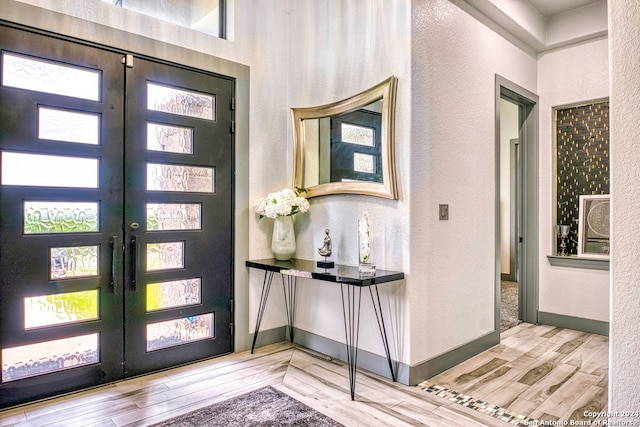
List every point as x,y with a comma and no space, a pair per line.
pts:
593,226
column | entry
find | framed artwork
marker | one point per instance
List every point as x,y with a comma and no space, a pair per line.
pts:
593,226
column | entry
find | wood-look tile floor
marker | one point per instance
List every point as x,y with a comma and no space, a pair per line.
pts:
537,370
541,372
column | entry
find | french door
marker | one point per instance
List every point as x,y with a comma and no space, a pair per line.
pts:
116,225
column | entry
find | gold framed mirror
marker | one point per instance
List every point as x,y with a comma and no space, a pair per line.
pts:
347,147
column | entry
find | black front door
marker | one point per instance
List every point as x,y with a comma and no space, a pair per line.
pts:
115,216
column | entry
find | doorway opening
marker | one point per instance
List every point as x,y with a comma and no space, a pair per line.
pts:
516,205
510,209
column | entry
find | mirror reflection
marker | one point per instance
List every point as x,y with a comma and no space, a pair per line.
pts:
347,146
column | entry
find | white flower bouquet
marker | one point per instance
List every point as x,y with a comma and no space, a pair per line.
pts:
286,202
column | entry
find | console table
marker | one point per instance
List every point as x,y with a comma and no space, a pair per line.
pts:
351,284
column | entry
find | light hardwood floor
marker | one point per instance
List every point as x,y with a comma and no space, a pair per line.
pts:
539,371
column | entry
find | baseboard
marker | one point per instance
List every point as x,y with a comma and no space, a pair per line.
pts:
577,323
270,336
366,360
408,375
441,363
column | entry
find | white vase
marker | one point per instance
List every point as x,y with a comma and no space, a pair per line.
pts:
283,241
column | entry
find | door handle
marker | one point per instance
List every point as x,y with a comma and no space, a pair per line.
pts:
114,257
133,249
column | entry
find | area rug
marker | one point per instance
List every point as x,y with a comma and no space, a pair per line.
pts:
263,407
508,305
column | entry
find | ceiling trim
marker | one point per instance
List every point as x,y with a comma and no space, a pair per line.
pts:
529,26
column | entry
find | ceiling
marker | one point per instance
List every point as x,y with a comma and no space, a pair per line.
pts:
553,7
546,24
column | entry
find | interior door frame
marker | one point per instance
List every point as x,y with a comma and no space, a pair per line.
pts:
528,190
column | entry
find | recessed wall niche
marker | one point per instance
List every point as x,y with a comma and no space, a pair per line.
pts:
582,161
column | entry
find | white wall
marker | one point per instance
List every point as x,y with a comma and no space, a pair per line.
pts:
624,356
453,267
566,76
311,54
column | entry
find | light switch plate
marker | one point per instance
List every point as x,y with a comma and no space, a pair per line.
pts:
444,212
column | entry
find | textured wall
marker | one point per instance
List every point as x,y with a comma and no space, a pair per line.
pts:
624,356
453,161
328,51
566,76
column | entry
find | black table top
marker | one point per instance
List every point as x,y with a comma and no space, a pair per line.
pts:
339,274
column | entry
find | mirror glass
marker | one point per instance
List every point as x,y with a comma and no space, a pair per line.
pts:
347,146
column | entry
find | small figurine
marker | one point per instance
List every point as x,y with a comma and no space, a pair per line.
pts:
325,251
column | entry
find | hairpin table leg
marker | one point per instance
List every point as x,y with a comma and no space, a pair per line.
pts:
289,286
351,299
383,331
266,286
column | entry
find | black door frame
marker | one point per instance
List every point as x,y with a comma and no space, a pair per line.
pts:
105,248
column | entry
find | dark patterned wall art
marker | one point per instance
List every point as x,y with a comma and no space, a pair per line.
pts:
582,162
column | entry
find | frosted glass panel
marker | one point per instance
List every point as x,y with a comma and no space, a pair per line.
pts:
357,134
50,77
363,163
173,100
60,217
173,216
179,178
176,293
165,256
75,261
172,139
68,126
59,309
48,171
179,331
48,356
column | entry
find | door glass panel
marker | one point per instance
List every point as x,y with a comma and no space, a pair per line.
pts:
354,134
363,163
165,256
179,178
60,217
173,100
173,216
48,356
176,293
59,309
75,261
68,126
172,139
48,171
179,331
47,76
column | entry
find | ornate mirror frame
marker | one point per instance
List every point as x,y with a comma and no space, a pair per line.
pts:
384,91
